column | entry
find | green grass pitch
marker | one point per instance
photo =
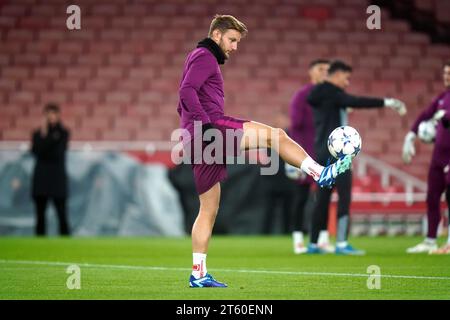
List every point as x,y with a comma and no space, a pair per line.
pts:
253,267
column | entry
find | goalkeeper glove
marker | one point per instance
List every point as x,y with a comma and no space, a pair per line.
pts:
396,105
438,115
408,147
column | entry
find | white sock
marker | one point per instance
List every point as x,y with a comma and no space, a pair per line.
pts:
342,244
430,240
324,237
297,236
199,265
312,168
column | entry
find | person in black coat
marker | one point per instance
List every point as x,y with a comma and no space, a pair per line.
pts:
49,145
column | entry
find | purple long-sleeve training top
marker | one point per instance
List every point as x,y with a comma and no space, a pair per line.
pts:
442,142
201,90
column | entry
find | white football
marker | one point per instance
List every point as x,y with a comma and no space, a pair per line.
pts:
427,131
344,140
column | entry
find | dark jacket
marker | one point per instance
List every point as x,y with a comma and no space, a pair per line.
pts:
50,177
329,104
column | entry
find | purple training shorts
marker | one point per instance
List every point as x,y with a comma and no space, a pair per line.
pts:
207,175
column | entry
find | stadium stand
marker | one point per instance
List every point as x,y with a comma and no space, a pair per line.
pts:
117,77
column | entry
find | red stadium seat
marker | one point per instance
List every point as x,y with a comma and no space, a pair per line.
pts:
118,98
150,97
287,11
98,84
18,73
415,38
115,34
43,10
47,72
438,51
409,50
144,111
111,72
109,9
7,22
86,97
68,85
52,35
101,123
118,135
195,9
330,37
94,22
57,97
401,62
85,134
60,60
396,26
72,47
340,25
8,85
5,123
22,97
384,88
122,59
14,10
75,110
151,135
107,110
16,134
414,86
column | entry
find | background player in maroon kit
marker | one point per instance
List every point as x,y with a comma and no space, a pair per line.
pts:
301,130
438,111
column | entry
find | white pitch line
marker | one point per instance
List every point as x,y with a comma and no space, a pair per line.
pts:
276,272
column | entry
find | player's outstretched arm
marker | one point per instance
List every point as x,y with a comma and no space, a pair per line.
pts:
348,100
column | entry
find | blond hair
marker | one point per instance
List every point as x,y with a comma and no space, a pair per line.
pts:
224,22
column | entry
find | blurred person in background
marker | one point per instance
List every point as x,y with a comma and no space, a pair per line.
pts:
445,249
302,131
329,102
439,113
49,145
280,195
